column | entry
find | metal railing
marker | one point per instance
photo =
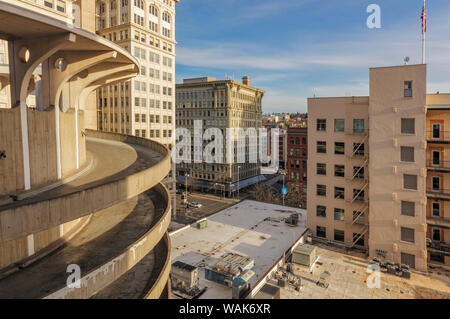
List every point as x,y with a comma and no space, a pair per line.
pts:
438,136
438,164
359,236
440,191
439,245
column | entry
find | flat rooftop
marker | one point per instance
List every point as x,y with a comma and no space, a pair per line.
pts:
252,229
348,276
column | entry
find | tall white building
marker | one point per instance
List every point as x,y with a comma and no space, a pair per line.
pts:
144,106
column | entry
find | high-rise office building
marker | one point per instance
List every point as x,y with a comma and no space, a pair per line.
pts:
144,106
220,104
376,169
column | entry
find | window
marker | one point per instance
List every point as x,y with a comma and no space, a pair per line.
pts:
339,148
321,232
410,181
321,125
339,125
436,158
339,214
339,193
339,235
408,208
436,131
358,239
408,259
408,89
358,172
436,234
407,234
321,211
408,126
321,190
358,217
406,154
435,183
339,170
321,169
322,147
358,149
436,209
358,195
358,126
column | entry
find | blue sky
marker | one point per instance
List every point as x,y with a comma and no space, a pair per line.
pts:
295,49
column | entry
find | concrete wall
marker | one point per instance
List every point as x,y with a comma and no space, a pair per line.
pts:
28,219
68,146
101,277
11,167
387,106
44,242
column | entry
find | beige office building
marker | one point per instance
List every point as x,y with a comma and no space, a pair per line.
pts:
371,172
144,106
219,104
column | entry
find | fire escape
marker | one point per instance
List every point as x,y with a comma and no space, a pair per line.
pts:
360,183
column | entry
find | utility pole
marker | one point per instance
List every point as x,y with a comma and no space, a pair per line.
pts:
283,188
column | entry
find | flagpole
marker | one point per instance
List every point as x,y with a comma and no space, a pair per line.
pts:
424,21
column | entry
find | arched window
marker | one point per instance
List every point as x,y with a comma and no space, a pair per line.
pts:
153,10
166,17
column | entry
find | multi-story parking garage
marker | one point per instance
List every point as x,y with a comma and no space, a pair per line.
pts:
72,197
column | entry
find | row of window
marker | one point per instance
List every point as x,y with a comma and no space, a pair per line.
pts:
339,148
339,125
339,192
153,88
153,133
339,235
142,118
152,57
339,171
407,125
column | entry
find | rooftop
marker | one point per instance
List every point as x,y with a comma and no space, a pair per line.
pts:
251,229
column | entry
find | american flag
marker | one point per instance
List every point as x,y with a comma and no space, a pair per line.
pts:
424,18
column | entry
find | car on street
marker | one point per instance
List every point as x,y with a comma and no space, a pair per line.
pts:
194,205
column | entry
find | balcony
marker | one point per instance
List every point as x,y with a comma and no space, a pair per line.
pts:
438,246
438,193
438,137
438,222
438,166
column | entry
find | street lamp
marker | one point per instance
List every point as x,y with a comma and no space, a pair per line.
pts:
239,178
186,195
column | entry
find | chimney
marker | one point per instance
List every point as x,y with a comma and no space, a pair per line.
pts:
246,80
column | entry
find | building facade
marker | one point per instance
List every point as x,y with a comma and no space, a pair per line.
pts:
144,106
220,104
297,156
368,179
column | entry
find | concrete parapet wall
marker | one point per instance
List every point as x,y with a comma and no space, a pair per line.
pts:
29,219
99,278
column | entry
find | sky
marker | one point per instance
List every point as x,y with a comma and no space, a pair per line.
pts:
295,49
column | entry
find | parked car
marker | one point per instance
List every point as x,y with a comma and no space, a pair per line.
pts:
194,205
